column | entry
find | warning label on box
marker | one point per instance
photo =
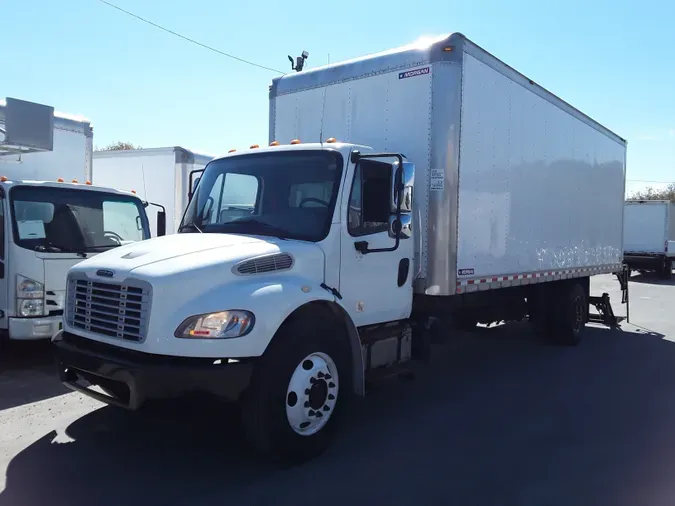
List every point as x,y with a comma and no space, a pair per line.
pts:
437,180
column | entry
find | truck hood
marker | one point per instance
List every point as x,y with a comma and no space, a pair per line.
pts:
178,257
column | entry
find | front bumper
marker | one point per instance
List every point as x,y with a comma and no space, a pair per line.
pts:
131,377
34,328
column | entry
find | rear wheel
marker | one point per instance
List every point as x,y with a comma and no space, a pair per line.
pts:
300,386
570,314
667,268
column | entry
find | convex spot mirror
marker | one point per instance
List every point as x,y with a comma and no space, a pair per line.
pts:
408,183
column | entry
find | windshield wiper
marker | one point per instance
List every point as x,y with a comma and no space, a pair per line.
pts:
272,229
53,248
190,226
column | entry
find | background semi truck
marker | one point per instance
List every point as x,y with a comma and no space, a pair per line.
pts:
649,236
48,225
161,175
446,187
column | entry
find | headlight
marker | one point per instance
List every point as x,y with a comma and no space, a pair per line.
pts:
30,307
27,288
221,325
30,296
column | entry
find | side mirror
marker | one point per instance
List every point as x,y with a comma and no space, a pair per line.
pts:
161,223
408,173
401,229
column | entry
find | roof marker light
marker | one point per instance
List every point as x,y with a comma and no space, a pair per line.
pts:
330,140
295,141
274,143
254,146
59,180
74,181
231,150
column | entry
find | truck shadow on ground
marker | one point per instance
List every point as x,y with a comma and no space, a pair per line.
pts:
495,418
27,373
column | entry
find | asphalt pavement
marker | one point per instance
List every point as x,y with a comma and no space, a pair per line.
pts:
497,418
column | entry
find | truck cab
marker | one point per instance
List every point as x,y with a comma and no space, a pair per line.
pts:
237,303
45,229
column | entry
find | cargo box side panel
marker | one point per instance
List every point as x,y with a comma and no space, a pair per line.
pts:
671,222
69,159
645,227
540,190
150,174
387,111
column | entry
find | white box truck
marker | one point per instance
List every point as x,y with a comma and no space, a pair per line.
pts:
649,236
47,225
456,187
161,175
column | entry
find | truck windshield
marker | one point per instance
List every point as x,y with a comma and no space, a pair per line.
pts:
288,194
75,221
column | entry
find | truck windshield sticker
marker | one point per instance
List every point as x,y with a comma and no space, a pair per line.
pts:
414,73
31,229
465,272
437,180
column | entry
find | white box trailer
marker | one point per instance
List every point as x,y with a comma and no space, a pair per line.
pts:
649,236
430,183
70,157
159,175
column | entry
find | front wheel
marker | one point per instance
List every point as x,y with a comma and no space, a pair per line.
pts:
299,388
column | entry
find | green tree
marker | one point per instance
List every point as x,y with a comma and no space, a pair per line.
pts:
649,193
118,146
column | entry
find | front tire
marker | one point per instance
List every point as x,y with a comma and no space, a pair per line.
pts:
299,389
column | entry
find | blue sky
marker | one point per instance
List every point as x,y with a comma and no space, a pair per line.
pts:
614,61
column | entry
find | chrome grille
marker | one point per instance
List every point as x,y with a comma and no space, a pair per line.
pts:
266,263
111,309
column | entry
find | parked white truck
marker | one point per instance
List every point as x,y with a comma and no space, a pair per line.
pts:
161,175
457,187
649,236
47,225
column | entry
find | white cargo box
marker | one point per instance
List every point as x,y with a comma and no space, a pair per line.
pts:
513,185
159,175
649,227
70,157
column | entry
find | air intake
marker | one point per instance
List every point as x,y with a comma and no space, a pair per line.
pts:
267,263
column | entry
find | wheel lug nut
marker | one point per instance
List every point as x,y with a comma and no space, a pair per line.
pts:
331,384
307,404
319,414
307,392
331,397
312,380
326,408
312,413
328,376
320,374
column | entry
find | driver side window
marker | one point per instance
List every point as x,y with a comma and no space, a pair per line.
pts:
369,200
232,196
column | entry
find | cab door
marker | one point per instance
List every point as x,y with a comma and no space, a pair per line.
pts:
376,268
